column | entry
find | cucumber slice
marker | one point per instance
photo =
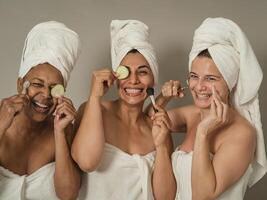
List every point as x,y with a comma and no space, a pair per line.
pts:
57,91
122,72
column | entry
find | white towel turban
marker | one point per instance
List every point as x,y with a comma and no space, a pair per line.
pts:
131,34
50,42
236,61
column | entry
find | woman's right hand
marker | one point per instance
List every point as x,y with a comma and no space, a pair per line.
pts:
172,89
102,80
9,108
161,127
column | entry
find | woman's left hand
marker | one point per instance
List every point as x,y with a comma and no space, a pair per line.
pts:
161,126
64,114
217,117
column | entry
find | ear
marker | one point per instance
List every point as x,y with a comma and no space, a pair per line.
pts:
19,85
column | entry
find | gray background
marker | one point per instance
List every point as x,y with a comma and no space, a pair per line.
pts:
171,22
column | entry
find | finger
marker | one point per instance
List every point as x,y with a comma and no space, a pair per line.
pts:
161,125
65,105
219,108
66,113
213,108
165,120
215,93
67,100
115,74
225,112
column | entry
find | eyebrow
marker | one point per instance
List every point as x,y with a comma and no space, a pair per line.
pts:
38,79
143,66
206,75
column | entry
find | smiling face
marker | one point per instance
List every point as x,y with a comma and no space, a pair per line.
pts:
202,76
133,89
42,79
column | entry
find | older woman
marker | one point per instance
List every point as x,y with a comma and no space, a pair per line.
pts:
223,151
114,141
34,144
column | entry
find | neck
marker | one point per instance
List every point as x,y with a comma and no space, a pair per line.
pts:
129,114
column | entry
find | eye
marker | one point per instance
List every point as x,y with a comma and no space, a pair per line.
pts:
211,78
142,72
192,77
38,85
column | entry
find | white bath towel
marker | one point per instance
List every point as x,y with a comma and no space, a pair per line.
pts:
39,185
236,61
131,34
182,167
120,176
50,42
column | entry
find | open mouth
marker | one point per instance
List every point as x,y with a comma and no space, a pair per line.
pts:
40,107
133,91
204,96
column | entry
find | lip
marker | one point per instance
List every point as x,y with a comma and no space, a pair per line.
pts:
39,107
133,91
203,96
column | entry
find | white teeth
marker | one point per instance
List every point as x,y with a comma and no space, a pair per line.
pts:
133,91
204,96
41,105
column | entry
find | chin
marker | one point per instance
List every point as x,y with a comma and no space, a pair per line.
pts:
202,104
39,117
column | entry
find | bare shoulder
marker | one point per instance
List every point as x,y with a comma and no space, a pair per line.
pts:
242,129
241,133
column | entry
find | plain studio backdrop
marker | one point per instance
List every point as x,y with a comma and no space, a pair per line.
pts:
172,24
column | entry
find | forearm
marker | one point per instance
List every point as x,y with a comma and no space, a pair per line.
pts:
163,181
67,177
90,139
202,169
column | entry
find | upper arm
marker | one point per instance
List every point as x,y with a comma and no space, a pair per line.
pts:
178,120
232,159
79,116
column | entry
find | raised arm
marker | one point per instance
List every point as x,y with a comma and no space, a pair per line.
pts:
171,89
67,177
88,145
163,180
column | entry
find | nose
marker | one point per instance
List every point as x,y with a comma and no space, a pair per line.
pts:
134,79
46,92
201,85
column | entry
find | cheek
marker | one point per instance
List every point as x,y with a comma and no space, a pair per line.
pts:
32,92
147,80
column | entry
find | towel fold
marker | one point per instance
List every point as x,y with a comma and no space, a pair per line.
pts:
50,42
127,35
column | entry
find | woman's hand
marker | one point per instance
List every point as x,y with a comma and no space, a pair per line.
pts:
172,89
160,127
102,80
10,107
64,114
217,117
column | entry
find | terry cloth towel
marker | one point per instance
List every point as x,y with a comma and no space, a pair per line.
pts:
50,42
131,34
236,61
119,176
182,167
39,185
